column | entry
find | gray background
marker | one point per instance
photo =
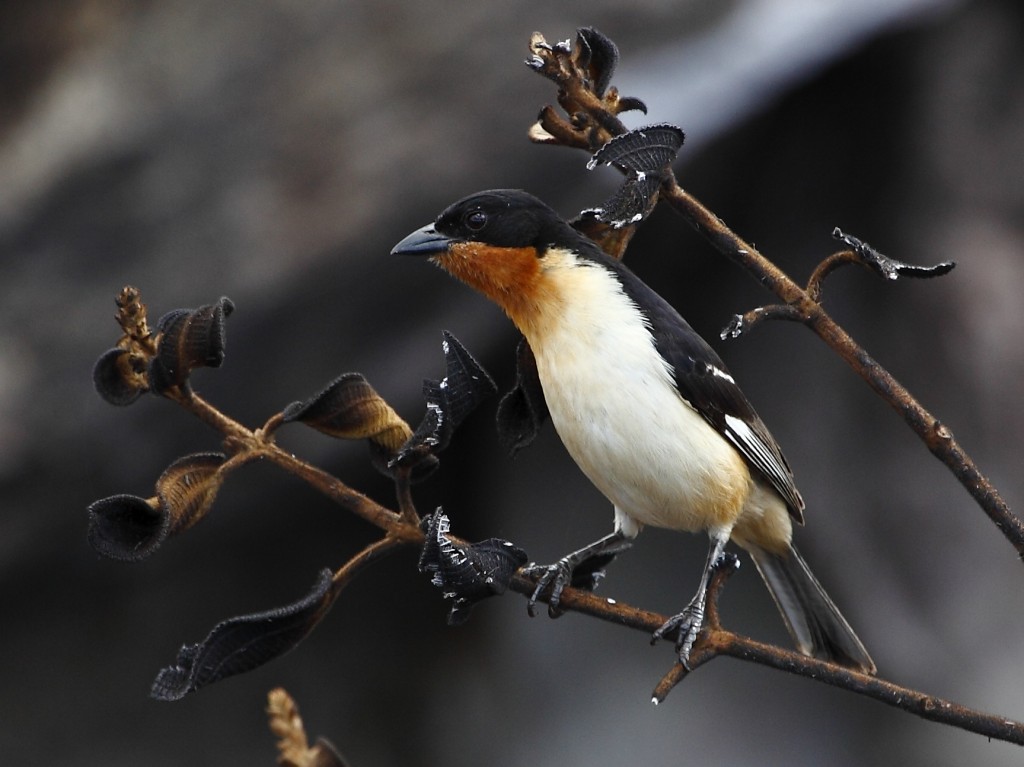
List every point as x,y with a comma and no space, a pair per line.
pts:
273,151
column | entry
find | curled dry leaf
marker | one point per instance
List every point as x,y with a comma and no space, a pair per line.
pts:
523,410
886,267
189,339
649,149
117,377
465,385
645,156
187,489
350,408
126,527
241,644
598,56
612,239
467,573
130,528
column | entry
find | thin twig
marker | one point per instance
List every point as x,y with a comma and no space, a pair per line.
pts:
824,269
366,556
342,494
248,445
938,438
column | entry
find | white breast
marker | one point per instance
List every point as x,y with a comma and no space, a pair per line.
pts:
614,404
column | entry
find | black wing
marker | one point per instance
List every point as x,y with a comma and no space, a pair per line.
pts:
704,381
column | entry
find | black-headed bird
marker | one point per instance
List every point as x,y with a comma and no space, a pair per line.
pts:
644,406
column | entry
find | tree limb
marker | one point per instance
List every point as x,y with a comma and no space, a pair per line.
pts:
936,435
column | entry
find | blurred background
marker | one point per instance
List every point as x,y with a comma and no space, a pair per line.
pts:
273,151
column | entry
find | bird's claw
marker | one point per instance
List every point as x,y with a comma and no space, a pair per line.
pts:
554,576
686,626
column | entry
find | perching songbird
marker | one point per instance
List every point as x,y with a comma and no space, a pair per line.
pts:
643,405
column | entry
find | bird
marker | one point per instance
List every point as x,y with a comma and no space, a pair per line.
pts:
644,406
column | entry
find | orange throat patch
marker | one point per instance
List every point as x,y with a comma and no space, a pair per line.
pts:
511,277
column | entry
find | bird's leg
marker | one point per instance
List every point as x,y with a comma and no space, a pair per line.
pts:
689,622
559,575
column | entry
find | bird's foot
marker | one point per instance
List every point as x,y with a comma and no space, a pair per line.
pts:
686,626
554,576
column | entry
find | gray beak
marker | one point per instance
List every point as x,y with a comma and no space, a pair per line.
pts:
422,242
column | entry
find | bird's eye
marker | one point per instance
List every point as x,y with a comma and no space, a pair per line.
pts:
476,220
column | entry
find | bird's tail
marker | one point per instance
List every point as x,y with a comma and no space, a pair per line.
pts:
817,626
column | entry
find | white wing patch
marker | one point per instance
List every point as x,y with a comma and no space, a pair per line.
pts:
719,373
753,447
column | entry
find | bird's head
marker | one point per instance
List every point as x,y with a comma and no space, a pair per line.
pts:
503,243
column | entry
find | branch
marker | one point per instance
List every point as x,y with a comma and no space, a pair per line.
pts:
936,435
593,122
715,641
467,572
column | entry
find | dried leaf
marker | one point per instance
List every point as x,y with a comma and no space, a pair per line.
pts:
886,267
466,383
189,339
598,56
130,528
350,408
467,573
241,644
126,527
449,401
644,155
187,489
631,104
117,380
523,410
650,149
